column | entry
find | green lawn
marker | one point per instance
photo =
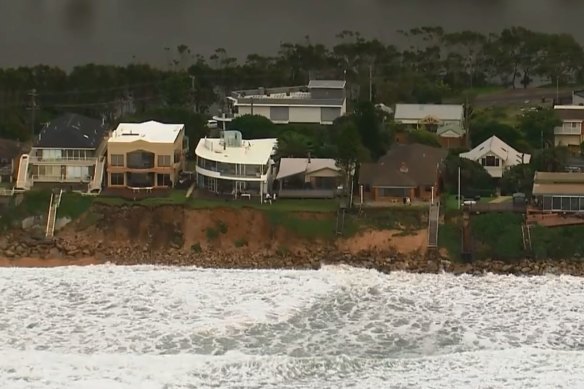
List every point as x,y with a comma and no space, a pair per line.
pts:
178,197
451,203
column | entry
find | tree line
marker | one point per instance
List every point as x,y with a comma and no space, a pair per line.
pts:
435,64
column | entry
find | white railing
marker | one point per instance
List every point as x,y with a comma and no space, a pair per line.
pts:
6,192
61,178
35,159
567,130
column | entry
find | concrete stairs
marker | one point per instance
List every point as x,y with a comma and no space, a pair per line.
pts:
433,225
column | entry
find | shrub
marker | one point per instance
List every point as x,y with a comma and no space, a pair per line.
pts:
196,248
240,242
212,233
282,251
222,227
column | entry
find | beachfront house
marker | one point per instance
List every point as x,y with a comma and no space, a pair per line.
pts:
496,156
571,132
308,178
69,150
445,120
147,155
320,102
234,166
559,191
410,171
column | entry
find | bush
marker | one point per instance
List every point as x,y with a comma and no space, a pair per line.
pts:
222,227
212,233
196,248
282,251
241,242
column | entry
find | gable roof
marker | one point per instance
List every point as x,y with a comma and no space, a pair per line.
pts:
500,149
455,128
150,131
72,131
404,166
570,112
292,166
421,111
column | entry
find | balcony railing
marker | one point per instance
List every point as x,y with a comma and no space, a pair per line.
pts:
85,160
61,178
567,130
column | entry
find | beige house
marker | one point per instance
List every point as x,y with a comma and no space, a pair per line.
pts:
571,132
308,177
146,155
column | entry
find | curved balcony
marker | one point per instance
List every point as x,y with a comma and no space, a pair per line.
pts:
231,176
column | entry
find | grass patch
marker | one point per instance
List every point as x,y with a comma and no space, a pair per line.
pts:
323,227
405,219
74,205
557,242
497,236
449,238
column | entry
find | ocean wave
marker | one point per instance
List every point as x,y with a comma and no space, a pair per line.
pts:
108,326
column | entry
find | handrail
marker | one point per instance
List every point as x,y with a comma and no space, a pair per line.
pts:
49,215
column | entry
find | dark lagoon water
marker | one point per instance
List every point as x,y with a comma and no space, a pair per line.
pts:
70,32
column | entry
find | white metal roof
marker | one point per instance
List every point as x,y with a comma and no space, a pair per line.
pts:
293,166
501,149
579,107
252,152
151,131
327,84
421,111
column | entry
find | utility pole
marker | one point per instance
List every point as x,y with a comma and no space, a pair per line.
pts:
371,83
193,92
458,187
33,107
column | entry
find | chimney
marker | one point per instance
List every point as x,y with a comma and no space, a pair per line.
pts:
309,157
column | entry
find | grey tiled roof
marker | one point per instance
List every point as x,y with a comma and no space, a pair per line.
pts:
72,131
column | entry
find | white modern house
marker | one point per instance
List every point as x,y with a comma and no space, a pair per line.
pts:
232,165
320,102
69,150
496,156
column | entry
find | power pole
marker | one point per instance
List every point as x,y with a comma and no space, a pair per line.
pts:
33,107
371,83
193,92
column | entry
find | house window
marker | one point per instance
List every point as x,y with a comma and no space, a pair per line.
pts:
117,159
164,160
117,179
164,180
140,159
394,192
490,160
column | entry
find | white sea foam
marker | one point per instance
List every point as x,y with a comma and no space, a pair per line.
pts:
153,327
